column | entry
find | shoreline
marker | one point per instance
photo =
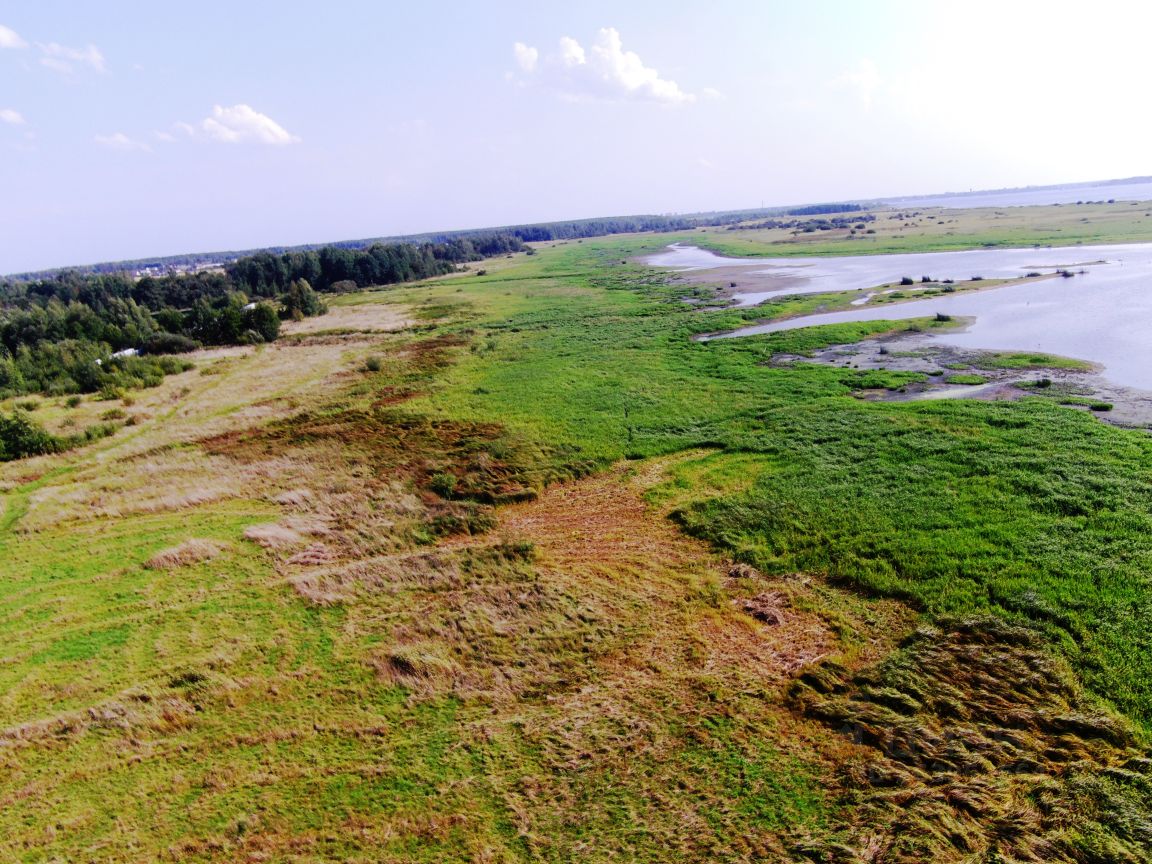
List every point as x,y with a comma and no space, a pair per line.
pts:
906,351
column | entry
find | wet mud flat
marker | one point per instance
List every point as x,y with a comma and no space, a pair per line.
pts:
966,373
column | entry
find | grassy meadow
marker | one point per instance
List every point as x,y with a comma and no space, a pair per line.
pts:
930,229
508,568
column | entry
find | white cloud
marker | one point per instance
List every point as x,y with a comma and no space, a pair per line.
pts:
242,123
526,57
61,58
164,137
864,79
9,38
120,141
571,52
605,71
624,70
11,116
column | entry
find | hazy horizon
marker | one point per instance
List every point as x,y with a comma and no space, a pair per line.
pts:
132,131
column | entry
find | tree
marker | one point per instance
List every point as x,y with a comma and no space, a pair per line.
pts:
264,321
300,301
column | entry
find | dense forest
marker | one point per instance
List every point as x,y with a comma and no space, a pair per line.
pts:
79,332
854,222
825,209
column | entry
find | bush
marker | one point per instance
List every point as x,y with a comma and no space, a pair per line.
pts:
22,436
170,343
442,484
907,280
374,363
73,401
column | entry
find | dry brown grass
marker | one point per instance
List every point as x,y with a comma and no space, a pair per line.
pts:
360,317
287,533
978,744
189,552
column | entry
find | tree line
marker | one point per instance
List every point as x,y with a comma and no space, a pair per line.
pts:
61,334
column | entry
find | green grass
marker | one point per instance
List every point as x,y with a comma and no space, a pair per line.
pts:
1028,360
1019,227
965,379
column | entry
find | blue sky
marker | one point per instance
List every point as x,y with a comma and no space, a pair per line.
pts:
131,129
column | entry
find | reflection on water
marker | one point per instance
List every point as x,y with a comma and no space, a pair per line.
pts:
1103,315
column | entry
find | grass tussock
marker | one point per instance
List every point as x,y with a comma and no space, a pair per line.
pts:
189,552
978,742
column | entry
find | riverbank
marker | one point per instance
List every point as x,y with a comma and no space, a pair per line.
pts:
950,372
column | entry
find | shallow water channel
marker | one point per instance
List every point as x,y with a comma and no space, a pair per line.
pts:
1103,314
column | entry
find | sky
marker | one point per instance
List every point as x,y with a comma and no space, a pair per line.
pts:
138,129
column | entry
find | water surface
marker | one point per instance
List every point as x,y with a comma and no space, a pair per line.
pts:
1139,190
851,272
1103,315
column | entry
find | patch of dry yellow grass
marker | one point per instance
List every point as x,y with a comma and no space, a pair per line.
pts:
362,317
189,552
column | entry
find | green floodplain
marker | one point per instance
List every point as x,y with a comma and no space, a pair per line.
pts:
508,568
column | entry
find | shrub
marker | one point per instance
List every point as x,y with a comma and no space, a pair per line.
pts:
170,343
73,401
940,316
1100,406
907,280
22,436
28,404
442,484
374,363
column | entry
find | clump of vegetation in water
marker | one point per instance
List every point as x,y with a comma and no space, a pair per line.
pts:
970,378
